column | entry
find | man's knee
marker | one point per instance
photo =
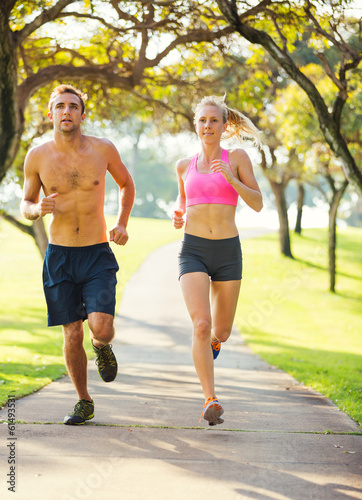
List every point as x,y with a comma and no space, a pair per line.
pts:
101,326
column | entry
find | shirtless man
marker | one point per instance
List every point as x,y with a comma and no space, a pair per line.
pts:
79,273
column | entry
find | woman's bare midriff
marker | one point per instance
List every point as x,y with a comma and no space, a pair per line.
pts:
211,221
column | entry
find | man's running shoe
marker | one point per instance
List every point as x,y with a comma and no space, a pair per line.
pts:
83,410
212,412
106,362
215,346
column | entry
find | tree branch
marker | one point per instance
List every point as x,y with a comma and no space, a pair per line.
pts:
100,74
328,126
45,17
25,228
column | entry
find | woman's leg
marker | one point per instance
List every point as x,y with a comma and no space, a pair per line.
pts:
224,300
196,291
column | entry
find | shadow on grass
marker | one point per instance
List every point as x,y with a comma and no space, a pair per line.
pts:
339,373
319,360
325,269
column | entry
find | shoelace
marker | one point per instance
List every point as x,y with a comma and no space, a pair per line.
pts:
80,407
215,345
105,357
209,400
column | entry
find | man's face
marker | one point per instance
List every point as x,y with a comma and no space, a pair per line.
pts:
66,113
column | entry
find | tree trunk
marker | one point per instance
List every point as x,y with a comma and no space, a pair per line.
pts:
300,204
40,236
36,230
11,122
332,235
281,204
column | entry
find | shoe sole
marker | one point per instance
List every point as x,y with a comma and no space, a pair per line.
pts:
79,423
108,380
213,414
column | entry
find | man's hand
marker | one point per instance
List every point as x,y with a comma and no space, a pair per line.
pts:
118,235
46,205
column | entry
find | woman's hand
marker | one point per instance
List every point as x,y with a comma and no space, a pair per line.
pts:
223,168
177,219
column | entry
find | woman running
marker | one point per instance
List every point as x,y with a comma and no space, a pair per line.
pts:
210,261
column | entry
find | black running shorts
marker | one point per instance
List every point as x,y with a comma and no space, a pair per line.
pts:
220,259
78,281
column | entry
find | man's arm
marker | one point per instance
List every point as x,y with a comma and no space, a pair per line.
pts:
31,208
124,180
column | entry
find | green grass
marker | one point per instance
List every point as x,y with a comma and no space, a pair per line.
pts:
289,318
30,353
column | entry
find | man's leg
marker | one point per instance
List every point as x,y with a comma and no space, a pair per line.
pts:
101,327
76,358
76,362
102,332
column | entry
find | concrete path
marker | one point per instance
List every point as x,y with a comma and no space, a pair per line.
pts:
146,441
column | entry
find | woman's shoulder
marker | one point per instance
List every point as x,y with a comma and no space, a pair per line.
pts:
238,154
183,164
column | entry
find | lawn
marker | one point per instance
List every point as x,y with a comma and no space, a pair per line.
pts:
287,315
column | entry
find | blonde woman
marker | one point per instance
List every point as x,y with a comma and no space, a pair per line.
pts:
210,261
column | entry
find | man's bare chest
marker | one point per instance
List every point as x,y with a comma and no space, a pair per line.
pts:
63,174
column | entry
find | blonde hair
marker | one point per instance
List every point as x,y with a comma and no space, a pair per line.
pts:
67,89
238,126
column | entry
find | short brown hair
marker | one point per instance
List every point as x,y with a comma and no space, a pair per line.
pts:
65,88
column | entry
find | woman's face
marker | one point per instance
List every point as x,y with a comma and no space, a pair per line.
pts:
209,124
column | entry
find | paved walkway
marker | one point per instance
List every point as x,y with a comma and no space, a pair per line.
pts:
146,441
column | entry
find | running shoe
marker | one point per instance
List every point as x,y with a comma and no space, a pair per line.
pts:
212,412
215,346
83,410
106,362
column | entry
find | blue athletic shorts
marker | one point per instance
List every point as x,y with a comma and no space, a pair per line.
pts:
220,259
78,281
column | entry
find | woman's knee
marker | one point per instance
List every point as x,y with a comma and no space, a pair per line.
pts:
202,328
222,334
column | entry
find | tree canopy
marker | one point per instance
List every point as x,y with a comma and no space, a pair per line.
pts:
158,51
121,47
278,26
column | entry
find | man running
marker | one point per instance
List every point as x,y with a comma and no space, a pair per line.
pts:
79,273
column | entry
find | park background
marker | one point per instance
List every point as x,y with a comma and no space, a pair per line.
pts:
294,69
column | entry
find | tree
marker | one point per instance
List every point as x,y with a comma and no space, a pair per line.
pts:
327,168
276,26
116,55
297,128
117,50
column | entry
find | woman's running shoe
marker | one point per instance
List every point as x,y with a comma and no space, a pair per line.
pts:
215,346
212,412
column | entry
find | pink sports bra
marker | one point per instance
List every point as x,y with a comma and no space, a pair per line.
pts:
208,188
